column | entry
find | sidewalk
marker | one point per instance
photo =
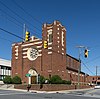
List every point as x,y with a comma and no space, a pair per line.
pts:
35,91
62,91
68,91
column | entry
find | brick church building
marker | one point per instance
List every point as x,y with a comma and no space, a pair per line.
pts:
32,58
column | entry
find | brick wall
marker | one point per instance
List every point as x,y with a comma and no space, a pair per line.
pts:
53,87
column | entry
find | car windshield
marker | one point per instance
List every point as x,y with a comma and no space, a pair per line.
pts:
98,85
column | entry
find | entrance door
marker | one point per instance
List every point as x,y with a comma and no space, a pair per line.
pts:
33,79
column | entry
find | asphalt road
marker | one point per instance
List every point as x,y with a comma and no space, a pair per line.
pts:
94,92
87,93
9,94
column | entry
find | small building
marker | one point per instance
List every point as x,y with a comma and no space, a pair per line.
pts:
5,68
94,80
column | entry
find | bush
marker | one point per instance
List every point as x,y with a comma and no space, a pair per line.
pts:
7,80
16,80
55,80
66,82
69,82
42,80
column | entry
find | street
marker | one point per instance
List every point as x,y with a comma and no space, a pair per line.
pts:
88,94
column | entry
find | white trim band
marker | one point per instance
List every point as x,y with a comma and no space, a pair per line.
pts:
31,44
49,52
24,56
49,47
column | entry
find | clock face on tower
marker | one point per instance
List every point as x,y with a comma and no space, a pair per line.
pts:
32,53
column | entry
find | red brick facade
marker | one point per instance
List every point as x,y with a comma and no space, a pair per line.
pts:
73,65
50,61
51,87
94,80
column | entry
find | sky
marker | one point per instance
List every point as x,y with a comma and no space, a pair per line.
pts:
81,18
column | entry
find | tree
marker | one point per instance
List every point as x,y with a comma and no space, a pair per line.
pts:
7,80
16,80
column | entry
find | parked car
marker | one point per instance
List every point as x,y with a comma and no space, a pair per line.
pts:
97,86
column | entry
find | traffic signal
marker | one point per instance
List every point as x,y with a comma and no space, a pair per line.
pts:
27,37
45,44
86,53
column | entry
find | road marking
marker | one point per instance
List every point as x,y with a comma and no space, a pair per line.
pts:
90,92
11,94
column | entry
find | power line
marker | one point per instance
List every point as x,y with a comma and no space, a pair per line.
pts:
12,18
17,21
11,33
87,68
25,11
6,39
93,59
18,15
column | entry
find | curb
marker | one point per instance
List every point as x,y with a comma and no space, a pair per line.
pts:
35,91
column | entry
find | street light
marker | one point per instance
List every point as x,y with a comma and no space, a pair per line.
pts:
79,69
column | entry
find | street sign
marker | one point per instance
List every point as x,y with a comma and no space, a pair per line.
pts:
28,75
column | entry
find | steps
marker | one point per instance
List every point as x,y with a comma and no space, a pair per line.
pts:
6,86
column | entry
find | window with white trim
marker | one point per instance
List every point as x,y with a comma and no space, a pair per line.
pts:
50,38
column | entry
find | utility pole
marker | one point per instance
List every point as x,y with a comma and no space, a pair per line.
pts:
96,74
24,30
79,69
